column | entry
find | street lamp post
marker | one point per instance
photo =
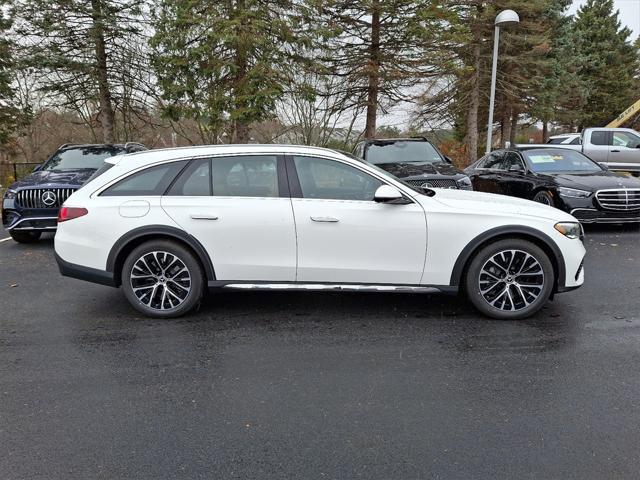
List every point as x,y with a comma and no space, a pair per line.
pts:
505,18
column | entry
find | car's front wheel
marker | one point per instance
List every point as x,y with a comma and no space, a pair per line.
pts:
510,279
25,237
162,279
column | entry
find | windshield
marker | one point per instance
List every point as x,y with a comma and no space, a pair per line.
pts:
405,151
77,158
559,160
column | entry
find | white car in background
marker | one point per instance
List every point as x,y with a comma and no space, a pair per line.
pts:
167,224
565,139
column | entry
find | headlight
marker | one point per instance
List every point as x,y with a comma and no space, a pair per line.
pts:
9,194
573,192
464,183
570,229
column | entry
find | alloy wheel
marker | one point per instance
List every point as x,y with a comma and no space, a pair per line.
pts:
511,280
160,280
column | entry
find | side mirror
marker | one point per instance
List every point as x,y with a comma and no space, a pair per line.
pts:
604,166
389,194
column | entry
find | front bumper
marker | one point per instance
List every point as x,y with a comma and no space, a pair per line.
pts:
587,210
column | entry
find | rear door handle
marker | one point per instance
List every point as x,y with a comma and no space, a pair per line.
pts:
198,216
325,219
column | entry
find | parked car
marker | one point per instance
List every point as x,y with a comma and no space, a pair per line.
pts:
30,206
562,178
415,161
166,224
565,139
618,148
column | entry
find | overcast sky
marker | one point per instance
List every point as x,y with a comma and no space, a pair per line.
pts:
629,13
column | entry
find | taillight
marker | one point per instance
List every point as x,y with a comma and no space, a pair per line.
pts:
69,213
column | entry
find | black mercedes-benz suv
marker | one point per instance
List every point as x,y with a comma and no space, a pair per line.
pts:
30,206
413,160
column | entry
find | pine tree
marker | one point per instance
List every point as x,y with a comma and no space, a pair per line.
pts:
78,44
381,48
222,64
7,111
608,62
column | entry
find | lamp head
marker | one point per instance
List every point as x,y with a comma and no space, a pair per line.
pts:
507,18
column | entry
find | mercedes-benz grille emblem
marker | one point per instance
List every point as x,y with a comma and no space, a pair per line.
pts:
426,185
49,198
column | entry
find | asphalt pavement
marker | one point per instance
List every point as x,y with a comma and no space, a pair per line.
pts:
319,385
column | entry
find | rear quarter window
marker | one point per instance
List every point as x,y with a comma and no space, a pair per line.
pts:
151,181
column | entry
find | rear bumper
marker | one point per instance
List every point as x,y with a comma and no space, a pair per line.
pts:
85,273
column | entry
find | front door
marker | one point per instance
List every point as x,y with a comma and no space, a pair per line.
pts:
625,150
236,208
344,236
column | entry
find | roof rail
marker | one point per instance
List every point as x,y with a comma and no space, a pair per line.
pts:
66,145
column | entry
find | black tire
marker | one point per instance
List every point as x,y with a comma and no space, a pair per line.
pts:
544,197
25,236
518,290
174,295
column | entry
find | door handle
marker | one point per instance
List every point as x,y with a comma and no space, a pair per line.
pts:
615,151
197,216
325,219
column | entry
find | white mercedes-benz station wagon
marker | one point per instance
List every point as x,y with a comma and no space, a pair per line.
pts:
167,224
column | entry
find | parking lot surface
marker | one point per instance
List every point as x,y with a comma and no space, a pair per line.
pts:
319,385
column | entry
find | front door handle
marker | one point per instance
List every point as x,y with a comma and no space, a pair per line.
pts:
325,219
198,216
615,151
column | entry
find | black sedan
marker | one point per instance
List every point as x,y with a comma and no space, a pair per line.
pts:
562,178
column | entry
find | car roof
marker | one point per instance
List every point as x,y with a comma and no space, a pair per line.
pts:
136,159
398,139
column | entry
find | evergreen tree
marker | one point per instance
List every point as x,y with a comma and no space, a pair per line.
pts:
608,63
7,111
222,64
79,44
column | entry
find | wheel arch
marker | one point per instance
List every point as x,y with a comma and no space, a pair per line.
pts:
500,233
130,240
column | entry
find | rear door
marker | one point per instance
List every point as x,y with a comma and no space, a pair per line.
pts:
238,208
597,146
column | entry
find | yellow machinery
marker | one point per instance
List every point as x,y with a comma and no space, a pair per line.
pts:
626,115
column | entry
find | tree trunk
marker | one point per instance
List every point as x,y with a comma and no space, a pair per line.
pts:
107,116
505,125
239,127
514,127
545,132
374,72
472,114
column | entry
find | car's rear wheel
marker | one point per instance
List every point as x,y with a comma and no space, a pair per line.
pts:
510,279
162,279
25,237
544,197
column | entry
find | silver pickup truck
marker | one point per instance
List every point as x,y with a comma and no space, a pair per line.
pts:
617,148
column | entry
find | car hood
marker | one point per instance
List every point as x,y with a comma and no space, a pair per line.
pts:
52,178
404,170
489,203
593,181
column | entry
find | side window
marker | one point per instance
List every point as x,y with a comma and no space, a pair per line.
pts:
576,141
493,161
245,176
194,181
599,137
624,139
150,181
512,159
329,179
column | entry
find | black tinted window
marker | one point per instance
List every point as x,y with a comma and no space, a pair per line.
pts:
150,181
328,179
556,141
245,176
512,160
194,181
599,138
493,161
